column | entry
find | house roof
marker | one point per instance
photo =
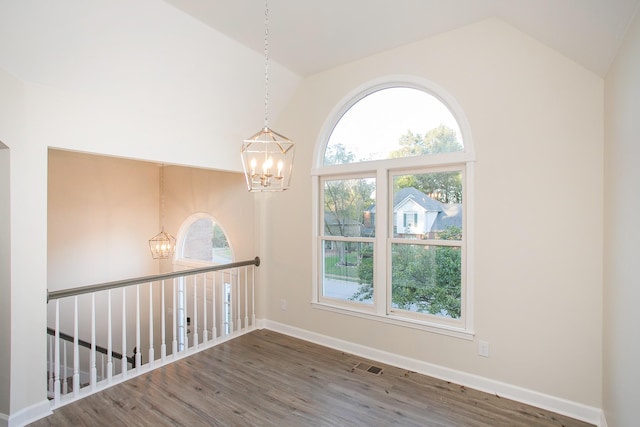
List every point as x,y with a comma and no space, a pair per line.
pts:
451,216
410,193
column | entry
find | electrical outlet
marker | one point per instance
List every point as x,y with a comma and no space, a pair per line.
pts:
283,304
483,348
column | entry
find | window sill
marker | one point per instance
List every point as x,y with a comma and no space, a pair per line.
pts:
436,328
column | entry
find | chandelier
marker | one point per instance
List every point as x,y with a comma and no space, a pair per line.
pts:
163,244
267,156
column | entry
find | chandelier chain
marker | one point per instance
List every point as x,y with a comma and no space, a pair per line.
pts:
162,196
266,63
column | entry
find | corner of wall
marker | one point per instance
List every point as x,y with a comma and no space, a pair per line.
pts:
29,414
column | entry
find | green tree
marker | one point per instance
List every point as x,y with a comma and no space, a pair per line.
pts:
337,154
345,201
425,279
365,275
445,187
441,139
219,240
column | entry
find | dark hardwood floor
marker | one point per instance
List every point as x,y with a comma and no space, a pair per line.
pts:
268,379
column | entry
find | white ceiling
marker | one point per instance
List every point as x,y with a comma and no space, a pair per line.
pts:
311,36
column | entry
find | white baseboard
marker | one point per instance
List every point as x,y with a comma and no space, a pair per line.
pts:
28,414
544,401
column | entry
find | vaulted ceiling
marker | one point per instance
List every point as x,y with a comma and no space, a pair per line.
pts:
311,36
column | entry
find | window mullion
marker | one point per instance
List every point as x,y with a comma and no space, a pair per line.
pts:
381,293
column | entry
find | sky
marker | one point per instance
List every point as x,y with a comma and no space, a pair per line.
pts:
375,123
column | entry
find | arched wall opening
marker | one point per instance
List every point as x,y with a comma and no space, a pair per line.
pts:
102,211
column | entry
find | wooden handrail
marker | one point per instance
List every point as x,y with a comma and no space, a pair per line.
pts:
128,282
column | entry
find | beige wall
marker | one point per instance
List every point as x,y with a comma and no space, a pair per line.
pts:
101,213
537,125
141,80
5,282
622,234
27,245
11,129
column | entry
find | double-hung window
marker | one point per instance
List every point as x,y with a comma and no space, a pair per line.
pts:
391,192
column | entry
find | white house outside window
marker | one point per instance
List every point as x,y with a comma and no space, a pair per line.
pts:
392,196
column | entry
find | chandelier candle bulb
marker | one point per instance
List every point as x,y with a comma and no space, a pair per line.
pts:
266,167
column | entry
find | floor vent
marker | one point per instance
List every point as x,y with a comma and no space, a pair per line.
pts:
368,368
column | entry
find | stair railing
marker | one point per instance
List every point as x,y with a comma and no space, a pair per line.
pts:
190,310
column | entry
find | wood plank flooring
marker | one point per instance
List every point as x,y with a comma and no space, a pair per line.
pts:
268,379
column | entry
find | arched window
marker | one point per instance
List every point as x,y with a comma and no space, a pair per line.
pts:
392,123
392,195
201,239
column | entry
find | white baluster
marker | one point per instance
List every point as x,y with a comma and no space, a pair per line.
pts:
151,350
224,324
138,358
195,312
253,297
246,300
214,320
229,302
76,350
50,374
185,329
163,346
205,332
109,340
124,361
174,321
237,275
56,349
102,367
94,371
65,385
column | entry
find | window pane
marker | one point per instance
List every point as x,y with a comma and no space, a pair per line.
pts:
428,206
426,279
348,271
347,207
408,122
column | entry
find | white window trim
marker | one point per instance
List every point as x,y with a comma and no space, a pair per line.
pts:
381,308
